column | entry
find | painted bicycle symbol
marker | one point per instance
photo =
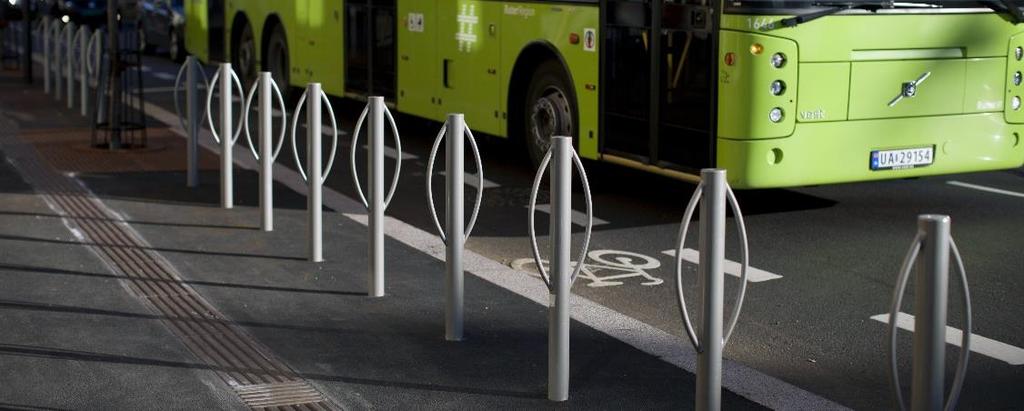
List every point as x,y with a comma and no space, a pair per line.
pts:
607,269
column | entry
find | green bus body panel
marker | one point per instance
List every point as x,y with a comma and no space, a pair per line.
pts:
1014,116
197,29
744,87
480,42
844,71
836,152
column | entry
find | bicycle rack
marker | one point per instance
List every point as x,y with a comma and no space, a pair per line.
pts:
712,194
69,61
377,204
313,97
225,138
46,31
93,67
454,235
62,52
190,118
267,152
81,40
931,286
562,157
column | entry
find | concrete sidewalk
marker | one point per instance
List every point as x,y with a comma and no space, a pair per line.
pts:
124,289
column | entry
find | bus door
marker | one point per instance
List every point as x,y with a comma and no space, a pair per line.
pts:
469,52
658,88
370,53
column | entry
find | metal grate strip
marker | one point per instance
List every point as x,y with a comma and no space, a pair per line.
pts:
258,377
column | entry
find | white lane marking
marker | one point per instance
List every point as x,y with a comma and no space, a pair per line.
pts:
164,76
146,69
578,217
392,153
984,188
733,268
473,180
981,345
754,385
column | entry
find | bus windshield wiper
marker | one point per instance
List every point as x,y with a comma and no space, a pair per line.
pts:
831,8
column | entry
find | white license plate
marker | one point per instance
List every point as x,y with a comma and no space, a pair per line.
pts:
902,158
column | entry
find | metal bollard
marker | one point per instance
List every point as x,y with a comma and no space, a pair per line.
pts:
46,53
69,57
267,152
225,138
562,157
313,97
191,70
377,204
454,235
60,55
82,39
931,288
712,194
94,66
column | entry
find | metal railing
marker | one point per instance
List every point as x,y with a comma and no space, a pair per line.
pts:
226,137
561,157
313,97
191,70
455,233
931,288
267,152
711,194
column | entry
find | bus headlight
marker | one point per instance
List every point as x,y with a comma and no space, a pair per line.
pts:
1018,53
1017,77
1015,103
779,87
776,114
778,60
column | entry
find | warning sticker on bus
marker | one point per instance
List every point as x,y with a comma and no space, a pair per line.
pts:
589,39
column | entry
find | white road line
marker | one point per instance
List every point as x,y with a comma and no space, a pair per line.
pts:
754,385
578,217
733,268
164,76
392,153
984,188
981,345
146,69
472,180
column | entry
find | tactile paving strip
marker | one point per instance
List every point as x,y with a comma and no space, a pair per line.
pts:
260,380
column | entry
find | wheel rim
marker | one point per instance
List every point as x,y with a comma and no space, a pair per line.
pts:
246,54
550,115
278,60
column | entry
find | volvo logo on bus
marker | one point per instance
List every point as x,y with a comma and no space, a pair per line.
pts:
909,89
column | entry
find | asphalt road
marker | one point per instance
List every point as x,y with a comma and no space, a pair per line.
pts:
828,258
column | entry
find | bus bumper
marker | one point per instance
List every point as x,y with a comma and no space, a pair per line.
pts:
837,152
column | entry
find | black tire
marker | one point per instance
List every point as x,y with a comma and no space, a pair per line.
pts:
549,109
176,47
243,55
276,59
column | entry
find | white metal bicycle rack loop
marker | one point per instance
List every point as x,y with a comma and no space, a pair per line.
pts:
314,176
376,110
454,234
226,137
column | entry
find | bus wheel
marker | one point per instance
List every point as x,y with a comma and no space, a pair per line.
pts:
276,58
245,56
549,109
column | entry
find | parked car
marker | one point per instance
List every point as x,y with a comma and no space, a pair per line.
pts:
162,26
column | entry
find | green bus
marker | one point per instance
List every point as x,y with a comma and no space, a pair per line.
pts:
779,92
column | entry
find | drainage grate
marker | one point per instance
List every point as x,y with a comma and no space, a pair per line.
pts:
261,380
278,395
